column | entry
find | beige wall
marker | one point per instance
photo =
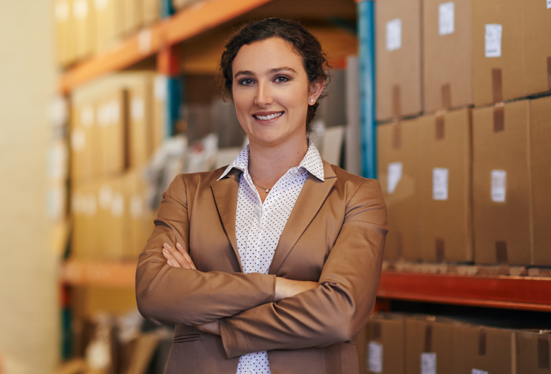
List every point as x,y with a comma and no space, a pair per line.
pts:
29,316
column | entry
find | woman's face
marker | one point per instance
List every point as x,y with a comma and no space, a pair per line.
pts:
271,92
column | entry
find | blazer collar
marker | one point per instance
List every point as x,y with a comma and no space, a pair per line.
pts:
311,198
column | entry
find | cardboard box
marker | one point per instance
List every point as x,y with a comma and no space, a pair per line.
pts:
498,51
429,345
140,128
109,22
114,223
112,114
537,47
384,345
540,164
486,349
501,184
133,16
84,33
64,29
445,192
85,141
181,4
151,11
397,163
447,54
533,349
159,125
140,222
398,55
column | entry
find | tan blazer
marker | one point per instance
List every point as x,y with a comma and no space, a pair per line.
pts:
335,235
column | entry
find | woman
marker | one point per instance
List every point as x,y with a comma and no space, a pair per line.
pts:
269,265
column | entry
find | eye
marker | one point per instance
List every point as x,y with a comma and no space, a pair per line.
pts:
246,82
282,79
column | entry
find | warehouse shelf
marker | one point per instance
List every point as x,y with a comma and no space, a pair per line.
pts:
96,273
509,292
191,22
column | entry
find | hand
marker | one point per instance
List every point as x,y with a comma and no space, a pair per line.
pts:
211,327
177,257
287,287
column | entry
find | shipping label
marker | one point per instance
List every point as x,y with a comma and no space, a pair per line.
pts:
394,176
428,363
375,357
80,9
446,18
137,109
493,40
62,10
499,185
476,371
78,140
394,34
440,184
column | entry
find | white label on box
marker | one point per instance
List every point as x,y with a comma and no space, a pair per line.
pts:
428,363
55,202
87,115
105,196
78,140
446,18
476,371
137,109
394,34
440,184
57,161
101,4
394,176
493,40
161,83
548,4
58,110
375,357
499,185
62,10
80,9
117,205
144,41
136,207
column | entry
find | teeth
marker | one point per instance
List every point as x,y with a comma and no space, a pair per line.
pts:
271,116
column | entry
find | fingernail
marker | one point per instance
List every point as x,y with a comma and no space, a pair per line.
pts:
166,245
179,246
165,251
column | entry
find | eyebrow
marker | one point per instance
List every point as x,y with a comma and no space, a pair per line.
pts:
271,71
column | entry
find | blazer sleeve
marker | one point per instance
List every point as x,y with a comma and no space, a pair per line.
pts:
180,296
337,309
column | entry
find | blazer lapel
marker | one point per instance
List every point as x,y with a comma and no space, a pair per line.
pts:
225,196
311,198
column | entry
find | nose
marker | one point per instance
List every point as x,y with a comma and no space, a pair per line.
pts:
263,94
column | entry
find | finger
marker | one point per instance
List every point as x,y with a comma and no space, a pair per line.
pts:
186,255
177,256
170,258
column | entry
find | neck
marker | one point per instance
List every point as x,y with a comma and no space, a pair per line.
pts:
268,164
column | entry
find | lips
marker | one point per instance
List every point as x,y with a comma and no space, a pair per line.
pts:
267,117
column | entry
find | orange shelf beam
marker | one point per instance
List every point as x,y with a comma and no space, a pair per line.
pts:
101,274
188,23
525,293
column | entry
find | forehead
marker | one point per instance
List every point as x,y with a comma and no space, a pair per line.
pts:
267,54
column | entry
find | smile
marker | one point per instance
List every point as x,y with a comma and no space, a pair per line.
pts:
268,117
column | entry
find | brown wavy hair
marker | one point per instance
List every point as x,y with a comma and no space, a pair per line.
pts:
304,43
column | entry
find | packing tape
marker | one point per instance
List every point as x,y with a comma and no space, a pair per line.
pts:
482,341
549,72
428,338
440,250
439,133
543,351
499,118
376,330
501,252
396,110
446,96
397,136
497,85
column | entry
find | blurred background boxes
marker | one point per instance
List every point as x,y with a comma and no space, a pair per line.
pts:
501,184
398,55
533,350
385,345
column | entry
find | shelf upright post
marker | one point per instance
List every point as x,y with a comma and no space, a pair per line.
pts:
168,65
366,36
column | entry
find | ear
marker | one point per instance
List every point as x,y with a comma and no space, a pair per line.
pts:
315,90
